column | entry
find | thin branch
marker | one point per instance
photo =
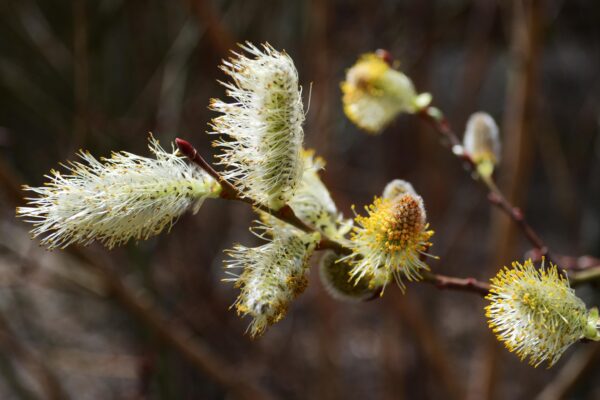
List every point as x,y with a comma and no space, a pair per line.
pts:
286,214
230,192
441,125
463,284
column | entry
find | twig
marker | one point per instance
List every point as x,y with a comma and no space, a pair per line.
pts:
286,214
462,284
230,192
495,195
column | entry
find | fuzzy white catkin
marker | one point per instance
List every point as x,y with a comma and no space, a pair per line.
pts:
117,199
482,139
272,276
262,128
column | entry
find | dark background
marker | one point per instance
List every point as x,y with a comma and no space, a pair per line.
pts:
100,75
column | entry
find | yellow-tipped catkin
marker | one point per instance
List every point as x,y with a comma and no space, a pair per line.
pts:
262,127
374,93
272,275
482,142
391,239
536,314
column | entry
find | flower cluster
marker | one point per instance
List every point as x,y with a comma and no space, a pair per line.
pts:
272,275
262,128
536,314
390,241
117,199
533,311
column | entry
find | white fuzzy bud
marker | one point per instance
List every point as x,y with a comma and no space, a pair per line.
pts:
482,142
262,127
117,199
398,187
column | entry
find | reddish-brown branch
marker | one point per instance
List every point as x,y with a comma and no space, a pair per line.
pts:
463,284
497,199
441,125
230,192
286,214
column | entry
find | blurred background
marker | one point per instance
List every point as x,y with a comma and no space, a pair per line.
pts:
100,75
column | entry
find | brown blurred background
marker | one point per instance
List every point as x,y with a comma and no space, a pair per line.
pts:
100,74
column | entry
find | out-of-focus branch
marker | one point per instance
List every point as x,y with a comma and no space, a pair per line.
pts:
175,334
569,263
411,313
585,276
573,371
216,32
48,381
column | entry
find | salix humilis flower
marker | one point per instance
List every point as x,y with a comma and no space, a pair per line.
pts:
536,314
272,275
335,276
482,142
116,199
262,127
374,93
390,241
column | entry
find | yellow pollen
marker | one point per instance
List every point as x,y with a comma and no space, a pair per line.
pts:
396,224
